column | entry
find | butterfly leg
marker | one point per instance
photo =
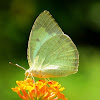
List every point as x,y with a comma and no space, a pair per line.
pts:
26,77
31,76
48,79
45,79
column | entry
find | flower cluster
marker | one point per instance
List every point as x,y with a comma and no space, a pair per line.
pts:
41,90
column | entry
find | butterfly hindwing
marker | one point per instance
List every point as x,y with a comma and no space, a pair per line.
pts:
58,56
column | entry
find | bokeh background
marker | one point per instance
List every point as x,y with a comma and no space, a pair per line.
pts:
80,19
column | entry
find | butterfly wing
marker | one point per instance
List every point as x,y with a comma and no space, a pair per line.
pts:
43,29
50,50
57,57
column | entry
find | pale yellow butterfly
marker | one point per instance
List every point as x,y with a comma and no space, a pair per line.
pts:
50,52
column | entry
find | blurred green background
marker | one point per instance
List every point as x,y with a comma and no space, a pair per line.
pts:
80,19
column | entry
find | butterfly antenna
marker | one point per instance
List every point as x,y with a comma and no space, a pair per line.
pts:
18,66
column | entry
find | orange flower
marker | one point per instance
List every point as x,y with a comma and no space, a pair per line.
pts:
41,90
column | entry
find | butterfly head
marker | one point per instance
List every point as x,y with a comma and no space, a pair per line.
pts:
29,72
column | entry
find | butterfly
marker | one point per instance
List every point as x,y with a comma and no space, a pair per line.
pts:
50,53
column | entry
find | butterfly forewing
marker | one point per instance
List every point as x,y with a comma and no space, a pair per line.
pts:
43,29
